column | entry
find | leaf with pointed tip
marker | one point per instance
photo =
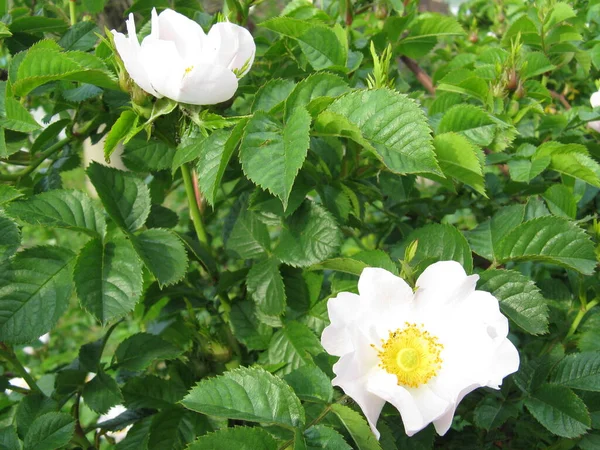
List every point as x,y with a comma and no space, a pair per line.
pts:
10,237
265,284
251,394
357,427
108,278
139,350
238,438
35,289
578,371
272,154
60,208
101,393
50,431
295,344
125,197
163,254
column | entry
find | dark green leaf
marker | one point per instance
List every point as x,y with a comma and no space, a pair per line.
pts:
102,393
10,237
139,351
578,371
49,432
265,284
310,384
357,427
295,344
152,392
239,438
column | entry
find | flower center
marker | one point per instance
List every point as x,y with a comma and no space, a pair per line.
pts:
188,70
412,354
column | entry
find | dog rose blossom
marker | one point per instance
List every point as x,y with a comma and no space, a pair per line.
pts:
179,61
422,351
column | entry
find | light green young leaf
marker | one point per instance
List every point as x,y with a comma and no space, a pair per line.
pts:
8,193
520,299
139,351
108,278
549,239
391,124
272,154
251,394
460,159
238,438
432,25
119,131
559,410
163,254
524,170
60,208
125,197
315,91
265,285
470,121
35,289
535,63
357,427
17,118
560,201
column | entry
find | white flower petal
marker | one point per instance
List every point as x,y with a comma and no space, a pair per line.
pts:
441,283
595,99
130,53
442,423
231,46
417,406
594,125
165,66
186,34
506,361
383,290
343,311
208,85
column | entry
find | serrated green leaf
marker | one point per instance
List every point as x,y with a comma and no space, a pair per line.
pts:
139,351
214,154
35,289
101,393
572,160
578,371
470,121
466,82
17,118
9,440
295,345
272,154
559,410
486,237
560,201
492,413
388,123
239,438
247,329
174,429
120,129
357,427
310,236
315,91
60,208
320,44
558,13
549,239
10,237
321,436
38,24
108,278
431,25
141,155
272,94
8,194
310,384
152,392
250,394
163,254
438,242
4,31
81,36
49,432
31,407
125,197
520,299
355,264
249,237
138,435
524,170
536,63
460,159
265,285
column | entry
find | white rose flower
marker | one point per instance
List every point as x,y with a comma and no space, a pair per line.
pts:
179,61
595,102
421,351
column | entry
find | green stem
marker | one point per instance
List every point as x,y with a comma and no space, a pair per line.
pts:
72,12
580,315
186,173
8,353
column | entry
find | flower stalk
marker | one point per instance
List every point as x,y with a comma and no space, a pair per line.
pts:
186,174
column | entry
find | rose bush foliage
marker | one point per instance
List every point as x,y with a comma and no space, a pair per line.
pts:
185,304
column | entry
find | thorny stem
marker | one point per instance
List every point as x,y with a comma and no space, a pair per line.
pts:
8,353
186,173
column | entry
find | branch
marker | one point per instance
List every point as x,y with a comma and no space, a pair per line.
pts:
423,78
561,98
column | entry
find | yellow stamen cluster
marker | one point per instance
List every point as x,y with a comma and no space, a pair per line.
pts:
412,354
188,70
